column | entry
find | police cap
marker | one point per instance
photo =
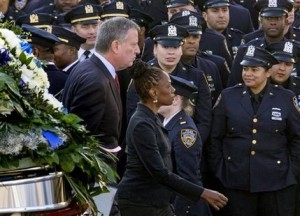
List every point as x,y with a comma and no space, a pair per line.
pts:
39,20
258,57
139,17
68,37
273,8
183,87
190,20
169,35
40,36
178,3
85,14
205,4
115,9
285,51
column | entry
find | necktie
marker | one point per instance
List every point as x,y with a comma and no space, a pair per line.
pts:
117,82
86,54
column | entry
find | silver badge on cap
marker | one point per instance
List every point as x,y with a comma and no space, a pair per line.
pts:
288,47
272,3
193,21
172,31
250,51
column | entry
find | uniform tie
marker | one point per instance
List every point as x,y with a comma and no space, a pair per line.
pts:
86,54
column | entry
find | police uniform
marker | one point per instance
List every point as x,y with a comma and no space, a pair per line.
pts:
84,14
171,35
192,22
248,4
221,64
240,18
215,43
233,39
255,150
186,151
277,8
56,77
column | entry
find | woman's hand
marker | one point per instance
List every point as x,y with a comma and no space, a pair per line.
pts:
214,198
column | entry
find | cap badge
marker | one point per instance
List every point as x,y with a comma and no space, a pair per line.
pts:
288,47
172,31
250,51
120,5
34,18
185,13
193,21
272,3
89,9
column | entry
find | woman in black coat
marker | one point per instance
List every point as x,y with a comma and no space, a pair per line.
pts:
147,184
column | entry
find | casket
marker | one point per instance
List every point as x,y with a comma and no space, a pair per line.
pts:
32,189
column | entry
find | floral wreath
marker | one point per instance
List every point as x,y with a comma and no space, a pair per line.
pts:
33,125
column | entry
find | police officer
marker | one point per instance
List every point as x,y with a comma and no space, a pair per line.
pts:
216,16
185,143
273,17
286,52
192,22
168,40
84,20
240,17
43,43
255,141
213,41
65,51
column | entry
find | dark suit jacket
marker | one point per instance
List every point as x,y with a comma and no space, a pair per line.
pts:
256,152
91,93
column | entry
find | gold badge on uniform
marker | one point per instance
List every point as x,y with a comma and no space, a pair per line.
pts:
296,103
188,137
20,4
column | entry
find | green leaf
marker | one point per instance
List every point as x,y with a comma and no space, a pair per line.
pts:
66,164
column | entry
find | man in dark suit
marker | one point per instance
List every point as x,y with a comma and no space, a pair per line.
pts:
91,90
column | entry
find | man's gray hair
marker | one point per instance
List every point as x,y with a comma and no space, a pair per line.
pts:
113,29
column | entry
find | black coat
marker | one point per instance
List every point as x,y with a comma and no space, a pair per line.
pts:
148,178
91,93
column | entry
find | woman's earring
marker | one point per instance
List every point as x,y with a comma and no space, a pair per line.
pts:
155,100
